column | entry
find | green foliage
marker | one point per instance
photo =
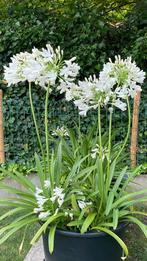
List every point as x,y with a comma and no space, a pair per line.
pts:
24,168
82,31
13,243
106,205
134,238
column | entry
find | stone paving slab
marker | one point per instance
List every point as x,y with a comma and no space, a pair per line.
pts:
36,252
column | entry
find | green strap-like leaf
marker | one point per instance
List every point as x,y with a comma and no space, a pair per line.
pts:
40,171
45,225
51,237
128,196
10,213
115,218
117,238
75,223
74,203
16,228
142,226
88,222
109,202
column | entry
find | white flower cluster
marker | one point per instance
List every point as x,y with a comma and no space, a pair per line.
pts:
116,82
58,196
83,204
123,77
47,184
40,201
84,94
69,214
69,71
96,151
42,67
60,132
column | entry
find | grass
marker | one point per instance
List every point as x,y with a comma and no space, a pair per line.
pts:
137,244
9,251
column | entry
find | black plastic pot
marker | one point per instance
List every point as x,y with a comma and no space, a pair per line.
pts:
94,246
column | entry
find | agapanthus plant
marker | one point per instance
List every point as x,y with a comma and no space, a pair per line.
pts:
81,188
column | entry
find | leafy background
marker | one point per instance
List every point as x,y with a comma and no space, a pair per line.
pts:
92,31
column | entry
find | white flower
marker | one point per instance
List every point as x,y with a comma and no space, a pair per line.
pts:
71,216
83,204
43,215
42,67
32,70
38,210
40,199
121,105
121,78
58,196
13,73
60,132
82,106
47,184
116,82
96,151
86,94
70,70
38,191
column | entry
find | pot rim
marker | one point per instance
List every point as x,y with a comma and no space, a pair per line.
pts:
90,234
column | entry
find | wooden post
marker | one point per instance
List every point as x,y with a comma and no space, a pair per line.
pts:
134,135
2,153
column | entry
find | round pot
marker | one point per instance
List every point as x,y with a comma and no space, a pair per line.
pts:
93,246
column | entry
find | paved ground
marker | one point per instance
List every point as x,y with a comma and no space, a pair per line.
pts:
36,252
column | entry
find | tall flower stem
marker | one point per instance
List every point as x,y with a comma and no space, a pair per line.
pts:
109,149
100,131
101,175
128,132
46,127
35,122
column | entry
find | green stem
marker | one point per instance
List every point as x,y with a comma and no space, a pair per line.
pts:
109,144
128,132
35,122
101,159
97,129
100,132
109,149
46,127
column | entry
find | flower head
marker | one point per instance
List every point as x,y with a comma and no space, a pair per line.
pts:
40,198
83,204
47,184
43,67
116,82
123,78
61,132
58,196
70,70
44,215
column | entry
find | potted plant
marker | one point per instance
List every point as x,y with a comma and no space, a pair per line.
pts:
82,204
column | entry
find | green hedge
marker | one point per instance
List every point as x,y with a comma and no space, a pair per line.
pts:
82,31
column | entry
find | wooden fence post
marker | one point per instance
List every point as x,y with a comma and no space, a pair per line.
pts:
2,153
134,134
